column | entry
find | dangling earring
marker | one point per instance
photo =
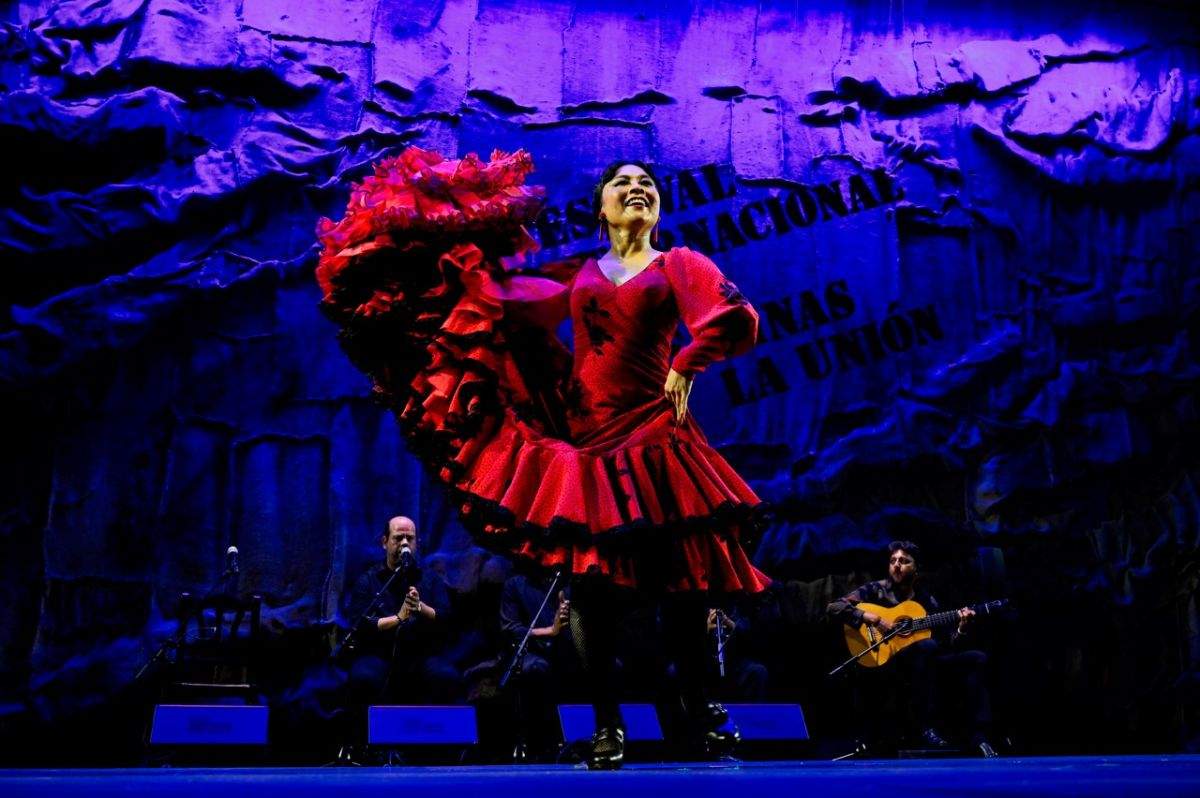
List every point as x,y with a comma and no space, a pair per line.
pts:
654,236
602,233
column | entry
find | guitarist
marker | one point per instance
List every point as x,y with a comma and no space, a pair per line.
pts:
919,665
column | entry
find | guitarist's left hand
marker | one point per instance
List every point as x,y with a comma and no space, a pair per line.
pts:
964,617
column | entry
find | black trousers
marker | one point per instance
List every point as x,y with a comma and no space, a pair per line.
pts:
372,679
745,680
928,675
543,683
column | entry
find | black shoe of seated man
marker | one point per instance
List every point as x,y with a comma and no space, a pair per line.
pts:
931,739
985,749
608,749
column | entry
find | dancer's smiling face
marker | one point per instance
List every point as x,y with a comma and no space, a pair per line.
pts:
630,199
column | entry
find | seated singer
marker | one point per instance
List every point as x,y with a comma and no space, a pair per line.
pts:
921,663
548,663
397,653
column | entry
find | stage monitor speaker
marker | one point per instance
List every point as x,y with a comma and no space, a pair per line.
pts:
768,722
641,722
209,724
422,725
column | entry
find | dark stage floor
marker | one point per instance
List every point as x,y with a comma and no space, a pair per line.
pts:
1160,776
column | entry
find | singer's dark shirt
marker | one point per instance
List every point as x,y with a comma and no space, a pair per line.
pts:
415,637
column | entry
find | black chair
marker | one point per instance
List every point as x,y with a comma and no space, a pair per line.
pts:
217,648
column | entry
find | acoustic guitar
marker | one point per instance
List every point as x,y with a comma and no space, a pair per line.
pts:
912,621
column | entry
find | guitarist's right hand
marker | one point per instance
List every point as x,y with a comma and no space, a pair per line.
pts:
871,619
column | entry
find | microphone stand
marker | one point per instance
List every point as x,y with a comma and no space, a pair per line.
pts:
722,639
520,751
897,629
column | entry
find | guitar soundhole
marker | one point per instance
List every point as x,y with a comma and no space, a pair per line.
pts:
905,625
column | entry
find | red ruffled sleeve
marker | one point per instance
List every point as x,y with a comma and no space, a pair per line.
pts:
720,320
419,201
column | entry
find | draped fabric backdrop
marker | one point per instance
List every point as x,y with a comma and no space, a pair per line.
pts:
970,230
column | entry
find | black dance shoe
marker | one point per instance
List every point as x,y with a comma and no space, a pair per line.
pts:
608,749
716,737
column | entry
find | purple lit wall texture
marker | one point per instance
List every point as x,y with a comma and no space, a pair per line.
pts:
970,229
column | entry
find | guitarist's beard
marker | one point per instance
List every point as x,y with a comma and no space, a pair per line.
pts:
901,582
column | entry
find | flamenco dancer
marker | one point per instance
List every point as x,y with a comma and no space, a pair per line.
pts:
588,463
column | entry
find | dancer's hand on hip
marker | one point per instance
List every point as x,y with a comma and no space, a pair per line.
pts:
677,389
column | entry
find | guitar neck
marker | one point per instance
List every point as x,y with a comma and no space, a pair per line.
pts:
951,616
935,620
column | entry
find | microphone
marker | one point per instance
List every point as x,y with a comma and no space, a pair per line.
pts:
231,560
407,561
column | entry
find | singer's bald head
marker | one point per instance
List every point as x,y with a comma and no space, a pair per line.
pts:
401,522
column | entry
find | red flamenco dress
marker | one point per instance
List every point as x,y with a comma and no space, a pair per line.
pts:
572,461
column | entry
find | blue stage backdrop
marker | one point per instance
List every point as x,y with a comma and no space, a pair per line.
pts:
970,230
